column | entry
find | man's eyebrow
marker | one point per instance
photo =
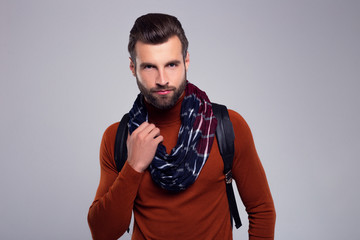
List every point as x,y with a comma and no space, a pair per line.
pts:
144,64
174,62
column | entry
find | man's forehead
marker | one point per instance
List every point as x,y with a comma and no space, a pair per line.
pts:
155,52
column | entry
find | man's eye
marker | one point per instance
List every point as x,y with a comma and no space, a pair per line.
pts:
172,65
148,66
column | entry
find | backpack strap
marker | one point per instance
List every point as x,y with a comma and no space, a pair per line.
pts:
120,150
120,153
225,137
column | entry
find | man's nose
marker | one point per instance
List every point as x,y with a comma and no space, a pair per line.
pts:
161,78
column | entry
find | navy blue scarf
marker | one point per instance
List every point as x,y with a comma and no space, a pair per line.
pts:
179,169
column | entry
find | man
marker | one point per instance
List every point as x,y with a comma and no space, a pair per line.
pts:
173,178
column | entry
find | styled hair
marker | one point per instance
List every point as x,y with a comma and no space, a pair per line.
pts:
156,28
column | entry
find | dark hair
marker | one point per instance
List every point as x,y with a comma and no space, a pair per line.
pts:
156,28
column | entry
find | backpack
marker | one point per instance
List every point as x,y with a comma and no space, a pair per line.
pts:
225,138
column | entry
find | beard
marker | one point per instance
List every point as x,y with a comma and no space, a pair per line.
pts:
159,101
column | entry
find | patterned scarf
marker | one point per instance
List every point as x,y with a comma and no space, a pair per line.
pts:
179,169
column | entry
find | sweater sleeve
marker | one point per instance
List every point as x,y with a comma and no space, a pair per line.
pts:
251,182
110,214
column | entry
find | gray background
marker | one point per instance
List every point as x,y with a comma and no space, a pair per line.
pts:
290,68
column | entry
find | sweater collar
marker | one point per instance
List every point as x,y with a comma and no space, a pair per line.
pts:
165,117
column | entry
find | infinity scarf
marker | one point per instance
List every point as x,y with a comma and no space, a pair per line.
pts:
179,169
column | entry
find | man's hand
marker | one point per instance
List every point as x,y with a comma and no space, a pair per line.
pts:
142,145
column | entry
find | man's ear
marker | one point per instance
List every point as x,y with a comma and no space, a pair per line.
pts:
187,61
132,67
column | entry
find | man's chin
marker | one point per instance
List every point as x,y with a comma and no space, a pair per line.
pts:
163,105
162,102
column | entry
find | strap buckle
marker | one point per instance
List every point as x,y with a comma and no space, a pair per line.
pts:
228,177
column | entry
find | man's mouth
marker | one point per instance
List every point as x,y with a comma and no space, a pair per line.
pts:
163,92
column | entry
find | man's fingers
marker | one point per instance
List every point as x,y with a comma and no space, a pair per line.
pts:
159,139
142,145
141,127
154,132
145,127
147,130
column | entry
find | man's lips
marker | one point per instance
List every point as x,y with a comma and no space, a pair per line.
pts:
162,91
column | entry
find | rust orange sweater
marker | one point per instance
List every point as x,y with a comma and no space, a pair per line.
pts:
201,211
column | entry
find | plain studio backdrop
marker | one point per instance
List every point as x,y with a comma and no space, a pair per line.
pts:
290,68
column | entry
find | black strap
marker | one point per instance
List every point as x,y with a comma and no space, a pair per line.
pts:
120,150
225,138
120,153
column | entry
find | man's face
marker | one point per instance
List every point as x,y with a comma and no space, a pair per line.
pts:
160,72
